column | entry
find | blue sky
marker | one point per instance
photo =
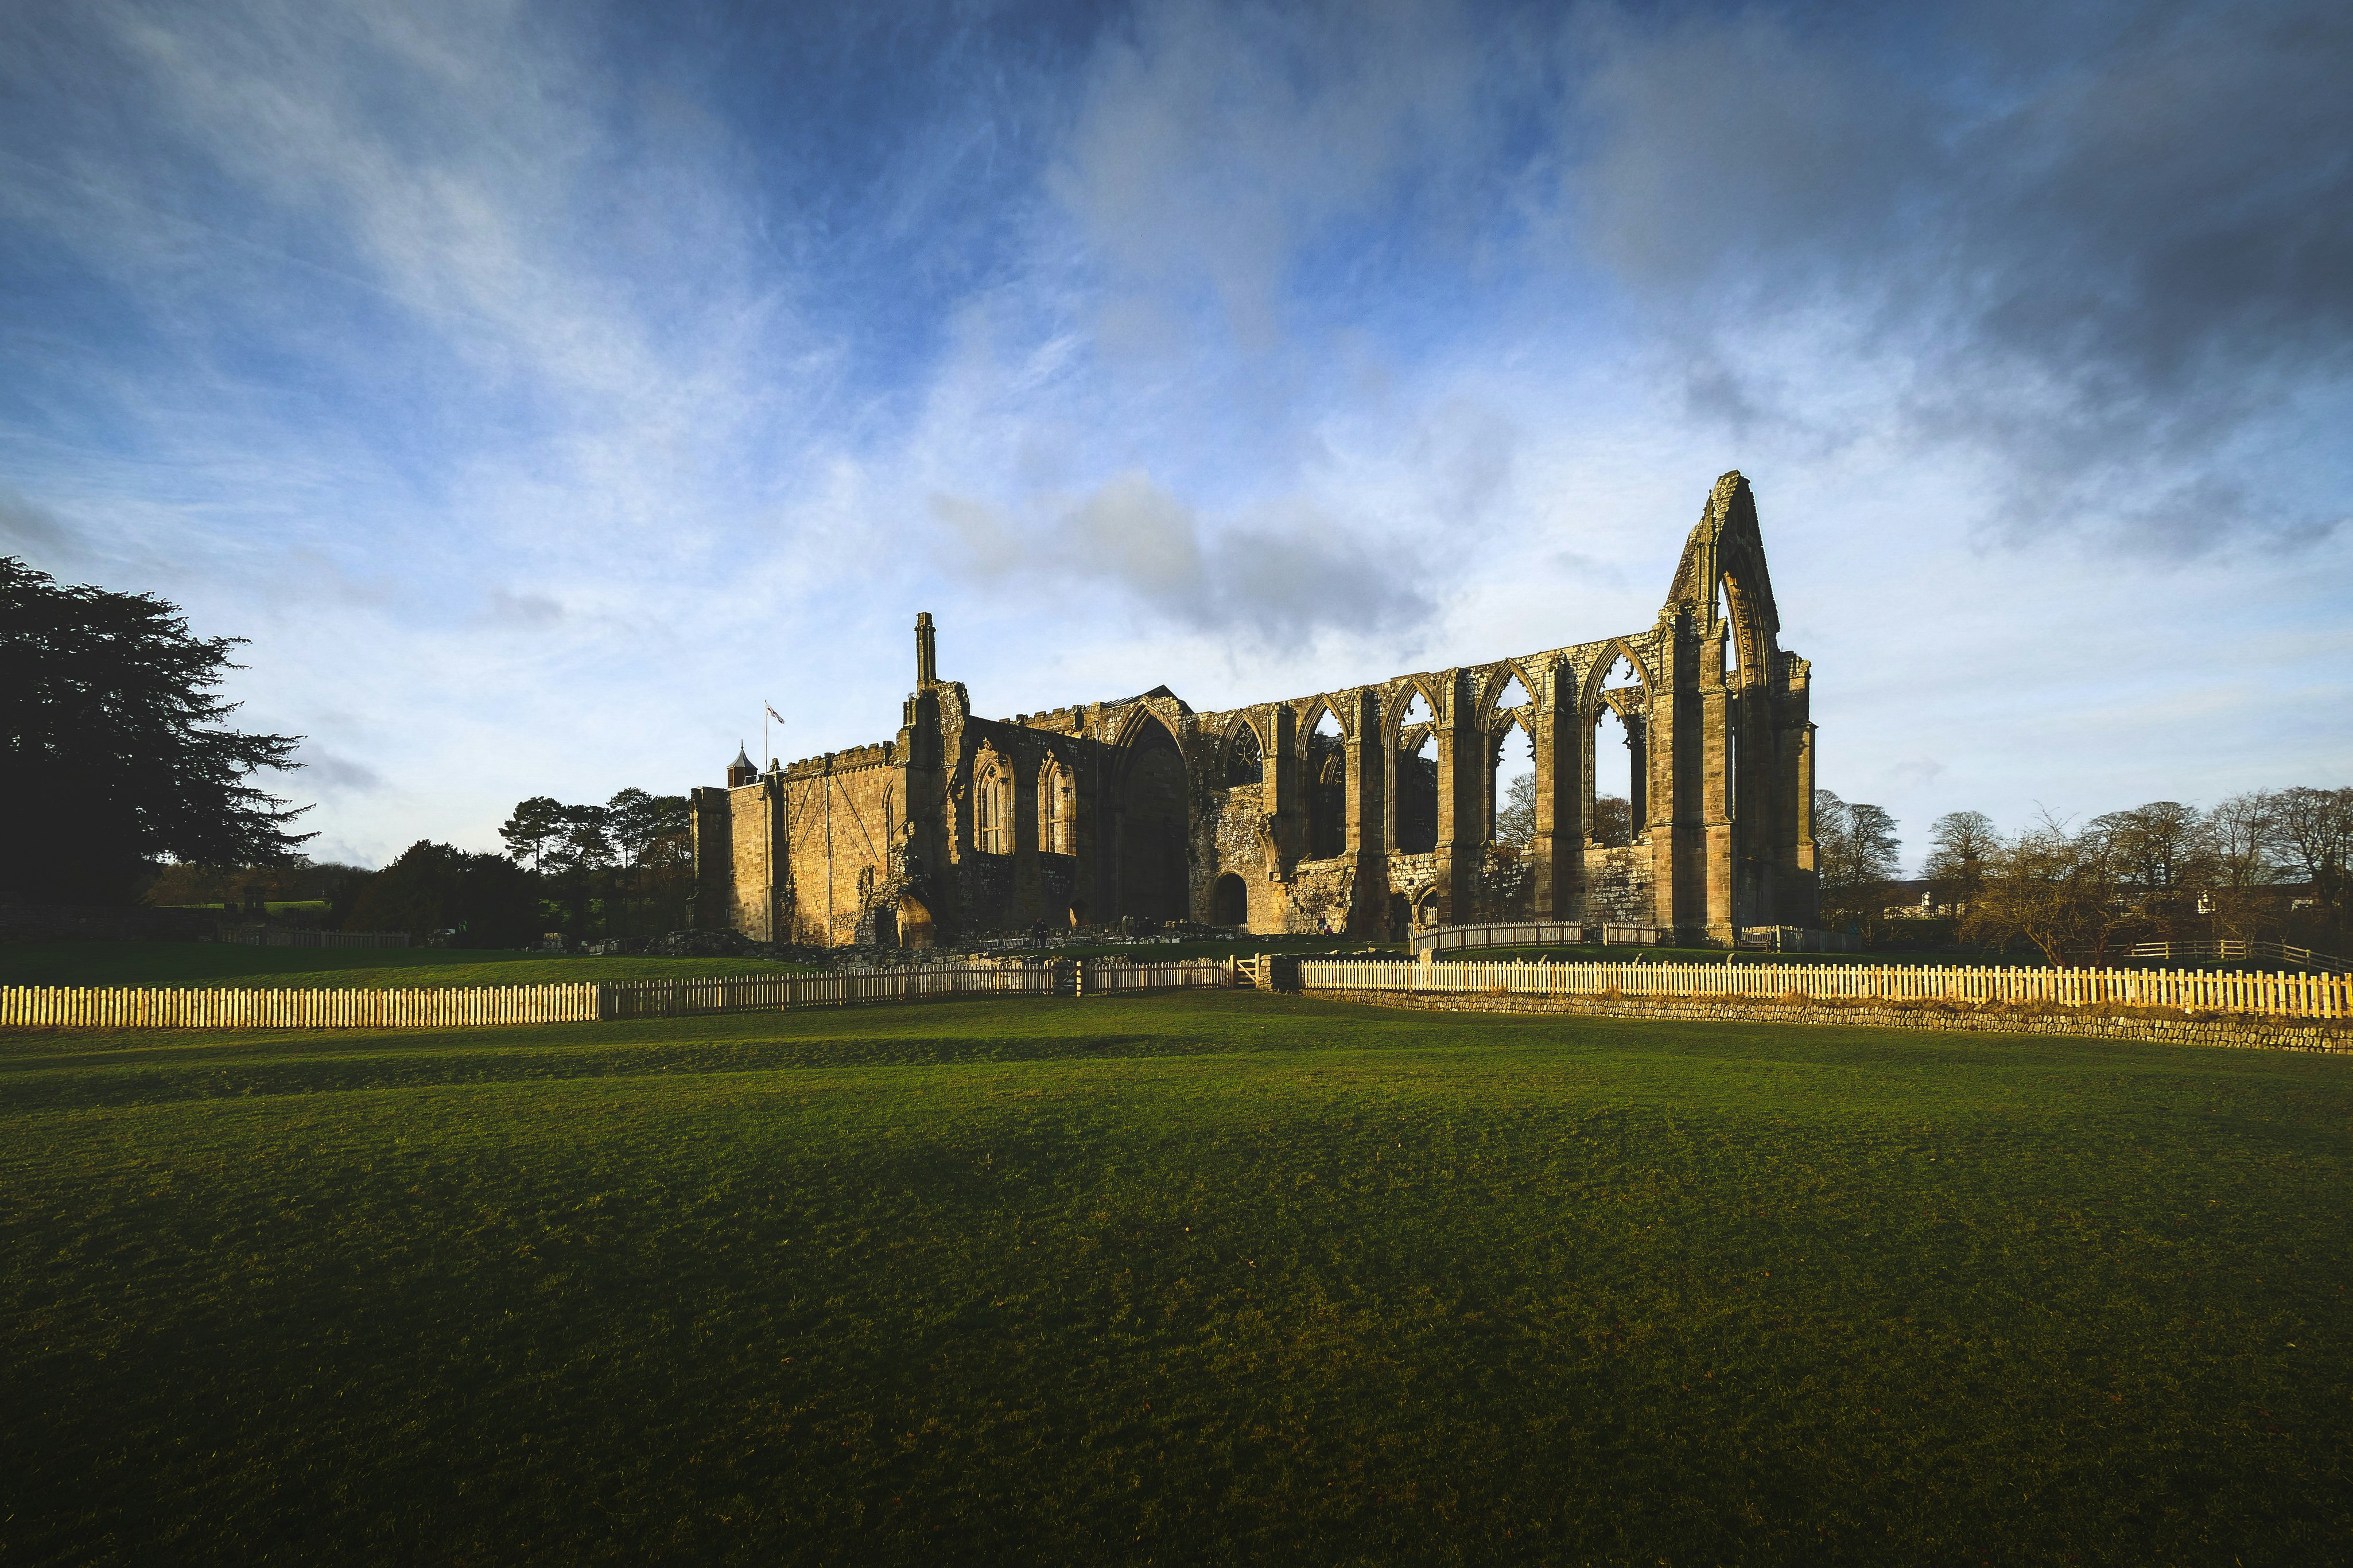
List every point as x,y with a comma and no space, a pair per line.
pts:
542,388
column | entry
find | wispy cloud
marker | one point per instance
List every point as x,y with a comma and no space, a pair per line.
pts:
541,393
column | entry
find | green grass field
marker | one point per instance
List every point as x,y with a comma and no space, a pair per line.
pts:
1203,1278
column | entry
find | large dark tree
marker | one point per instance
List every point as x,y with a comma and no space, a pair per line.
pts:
486,900
115,754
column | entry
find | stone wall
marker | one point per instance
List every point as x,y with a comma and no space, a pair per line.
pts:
2243,1033
1617,886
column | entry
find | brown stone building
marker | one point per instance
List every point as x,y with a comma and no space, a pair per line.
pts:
1359,811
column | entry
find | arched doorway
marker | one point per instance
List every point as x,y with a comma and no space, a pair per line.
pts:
1154,870
1229,902
914,922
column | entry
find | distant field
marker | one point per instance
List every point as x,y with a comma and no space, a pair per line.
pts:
232,964
1200,1278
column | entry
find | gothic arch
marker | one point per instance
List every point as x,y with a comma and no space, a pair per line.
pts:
1399,697
1504,673
992,802
1240,750
1058,806
1152,824
1309,714
1589,702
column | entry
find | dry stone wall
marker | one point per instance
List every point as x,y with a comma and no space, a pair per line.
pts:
2243,1033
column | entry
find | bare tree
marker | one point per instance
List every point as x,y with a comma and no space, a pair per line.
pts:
1856,851
1961,843
2238,834
2054,889
1515,822
2161,858
2158,846
2312,830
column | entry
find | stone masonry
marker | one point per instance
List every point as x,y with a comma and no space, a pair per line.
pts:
1311,814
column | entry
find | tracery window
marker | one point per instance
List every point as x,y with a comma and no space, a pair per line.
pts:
992,814
1057,810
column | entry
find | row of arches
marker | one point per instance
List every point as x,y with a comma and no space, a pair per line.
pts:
1408,705
1507,806
1148,827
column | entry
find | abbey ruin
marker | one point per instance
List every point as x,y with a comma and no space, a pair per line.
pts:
1359,812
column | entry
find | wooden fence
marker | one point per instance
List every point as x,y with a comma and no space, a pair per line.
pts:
2227,950
770,992
137,1007
133,1008
299,936
1101,976
1612,934
2288,995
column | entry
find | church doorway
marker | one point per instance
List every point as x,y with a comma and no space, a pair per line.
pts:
914,922
1230,903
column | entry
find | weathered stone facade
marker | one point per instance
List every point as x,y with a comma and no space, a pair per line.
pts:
964,826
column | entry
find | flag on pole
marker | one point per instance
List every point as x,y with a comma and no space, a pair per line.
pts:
773,714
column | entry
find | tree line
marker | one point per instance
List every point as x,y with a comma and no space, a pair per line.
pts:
2262,865
621,868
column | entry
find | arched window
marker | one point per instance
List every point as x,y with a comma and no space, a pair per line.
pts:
992,814
1416,777
1616,808
1327,788
1512,786
1057,810
1245,763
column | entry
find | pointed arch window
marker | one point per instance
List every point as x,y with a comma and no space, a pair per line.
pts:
1058,809
1245,762
992,806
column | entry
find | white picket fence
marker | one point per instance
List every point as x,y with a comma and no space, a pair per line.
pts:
435,1007
138,1007
2288,995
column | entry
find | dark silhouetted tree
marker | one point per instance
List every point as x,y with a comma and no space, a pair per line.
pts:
115,757
487,900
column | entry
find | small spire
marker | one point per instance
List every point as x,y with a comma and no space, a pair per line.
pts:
927,653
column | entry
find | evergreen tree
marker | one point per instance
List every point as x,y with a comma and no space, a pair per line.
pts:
113,754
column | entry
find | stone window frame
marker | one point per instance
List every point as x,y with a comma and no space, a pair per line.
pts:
992,804
1057,808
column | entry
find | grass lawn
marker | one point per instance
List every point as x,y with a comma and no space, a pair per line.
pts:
1199,1278
232,964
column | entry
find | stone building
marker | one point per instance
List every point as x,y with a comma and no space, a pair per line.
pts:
1360,811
